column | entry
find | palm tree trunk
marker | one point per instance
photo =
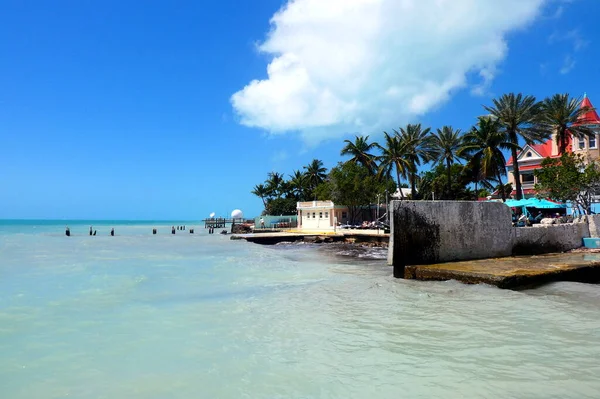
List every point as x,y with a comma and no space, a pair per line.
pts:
449,177
399,188
413,186
476,191
502,193
516,174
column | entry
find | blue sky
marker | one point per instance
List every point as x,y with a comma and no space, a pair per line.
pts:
174,110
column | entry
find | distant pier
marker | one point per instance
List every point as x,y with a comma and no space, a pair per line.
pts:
221,223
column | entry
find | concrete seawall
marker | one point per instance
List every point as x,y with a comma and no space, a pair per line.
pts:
432,232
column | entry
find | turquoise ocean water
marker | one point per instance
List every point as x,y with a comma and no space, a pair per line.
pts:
200,316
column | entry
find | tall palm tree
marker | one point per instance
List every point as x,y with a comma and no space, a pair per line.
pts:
418,148
274,184
560,114
359,150
393,157
484,145
446,143
315,173
518,115
261,191
298,184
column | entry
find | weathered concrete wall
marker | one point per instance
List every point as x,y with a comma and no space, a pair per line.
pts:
428,232
542,239
425,232
594,223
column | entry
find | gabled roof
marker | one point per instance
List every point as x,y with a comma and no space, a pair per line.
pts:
590,117
544,150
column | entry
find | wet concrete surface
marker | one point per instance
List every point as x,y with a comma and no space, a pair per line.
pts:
514,272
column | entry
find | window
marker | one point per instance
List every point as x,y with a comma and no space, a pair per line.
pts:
320,215
344,215
593,141
528,178
528,155
314,215
326,215
581,143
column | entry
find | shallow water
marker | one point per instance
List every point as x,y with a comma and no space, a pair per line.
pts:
194,316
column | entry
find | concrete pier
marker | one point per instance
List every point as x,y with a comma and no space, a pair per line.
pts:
367,237
514,272
432,232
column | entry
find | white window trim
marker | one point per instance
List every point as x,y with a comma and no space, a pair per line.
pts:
595,143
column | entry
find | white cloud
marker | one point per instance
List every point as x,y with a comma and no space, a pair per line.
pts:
578,42
344,66
573,36
568,65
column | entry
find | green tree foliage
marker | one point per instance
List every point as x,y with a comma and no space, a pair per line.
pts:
446,143
568,178
354,186
298,185
518,116
504,190
484,145
360,150
315,174
393,158
512,118
281,206
417,143
260,190
275,184
279,196
433,184
560,114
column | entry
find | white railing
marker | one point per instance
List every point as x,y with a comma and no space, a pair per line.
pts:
315,204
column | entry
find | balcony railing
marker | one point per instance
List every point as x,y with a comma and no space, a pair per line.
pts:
314,204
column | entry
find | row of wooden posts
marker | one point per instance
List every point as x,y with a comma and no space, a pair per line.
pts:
210,226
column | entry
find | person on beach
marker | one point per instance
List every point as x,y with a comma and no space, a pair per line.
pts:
262,223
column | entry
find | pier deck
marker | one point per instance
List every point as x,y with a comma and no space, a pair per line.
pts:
513,272
354,236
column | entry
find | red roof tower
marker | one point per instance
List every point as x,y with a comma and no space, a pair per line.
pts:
591,116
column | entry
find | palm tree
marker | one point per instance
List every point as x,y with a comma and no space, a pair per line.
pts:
560,114
446,143
393,157
418,148
315,173
359,150
275,184
484,145
260,190
518,115
297,184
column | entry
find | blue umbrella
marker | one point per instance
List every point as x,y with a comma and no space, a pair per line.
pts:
517,203
544,204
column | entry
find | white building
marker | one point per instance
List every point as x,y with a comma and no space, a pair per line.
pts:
320,215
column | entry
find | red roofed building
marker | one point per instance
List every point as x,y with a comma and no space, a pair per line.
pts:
531,156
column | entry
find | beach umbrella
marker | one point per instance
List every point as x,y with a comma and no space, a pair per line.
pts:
517,203
545,204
